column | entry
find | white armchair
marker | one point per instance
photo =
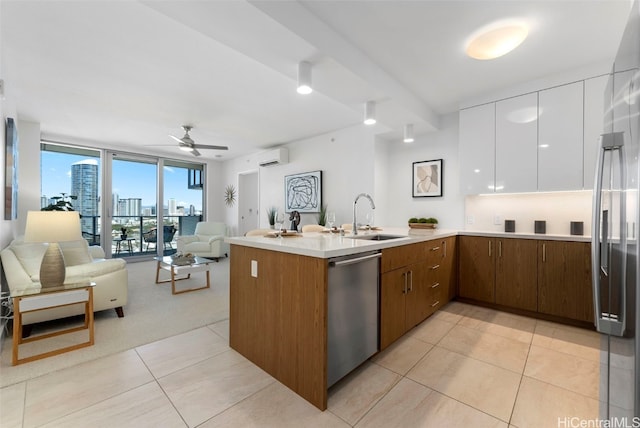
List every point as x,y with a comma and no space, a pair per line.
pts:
207,241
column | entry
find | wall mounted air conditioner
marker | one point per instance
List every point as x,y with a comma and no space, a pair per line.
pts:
274,157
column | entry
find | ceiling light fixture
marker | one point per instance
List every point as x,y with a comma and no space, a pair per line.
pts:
304,78
496,39
408,133
370,113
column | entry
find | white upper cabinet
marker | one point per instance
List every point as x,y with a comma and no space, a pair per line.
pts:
517,144
477,149
560,138
593,124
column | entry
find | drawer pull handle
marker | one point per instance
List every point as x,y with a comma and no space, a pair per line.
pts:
435,304
435,267
435,248
437,284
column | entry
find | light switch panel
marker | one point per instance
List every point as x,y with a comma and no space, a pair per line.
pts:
254,268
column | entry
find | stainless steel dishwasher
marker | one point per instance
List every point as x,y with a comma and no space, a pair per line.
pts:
352,325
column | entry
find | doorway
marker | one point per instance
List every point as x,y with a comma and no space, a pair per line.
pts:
248,202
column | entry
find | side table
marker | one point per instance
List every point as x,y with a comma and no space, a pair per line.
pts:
124,245
37,298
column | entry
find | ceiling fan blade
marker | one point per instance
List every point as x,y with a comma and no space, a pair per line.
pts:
204,146
195,152
175,138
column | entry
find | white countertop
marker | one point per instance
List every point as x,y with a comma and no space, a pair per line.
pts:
540,236
326,245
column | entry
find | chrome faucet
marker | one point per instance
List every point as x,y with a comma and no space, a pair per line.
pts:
373,206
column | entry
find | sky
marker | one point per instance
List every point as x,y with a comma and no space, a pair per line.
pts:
130,180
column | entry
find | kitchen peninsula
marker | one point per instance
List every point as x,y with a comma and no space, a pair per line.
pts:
280,307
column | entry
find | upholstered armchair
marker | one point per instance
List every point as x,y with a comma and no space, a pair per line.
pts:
207,241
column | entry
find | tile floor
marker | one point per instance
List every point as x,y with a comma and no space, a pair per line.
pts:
465,366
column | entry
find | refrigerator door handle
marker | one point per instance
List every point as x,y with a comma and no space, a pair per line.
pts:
614,324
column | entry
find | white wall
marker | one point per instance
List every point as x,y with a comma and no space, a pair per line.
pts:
29,182
394,179
558,209
346,159
353,161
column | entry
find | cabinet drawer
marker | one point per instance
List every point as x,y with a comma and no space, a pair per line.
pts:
437,298
397,257
435,251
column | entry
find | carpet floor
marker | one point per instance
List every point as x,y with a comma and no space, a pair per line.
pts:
152,313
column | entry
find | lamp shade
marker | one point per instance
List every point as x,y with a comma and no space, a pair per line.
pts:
52,226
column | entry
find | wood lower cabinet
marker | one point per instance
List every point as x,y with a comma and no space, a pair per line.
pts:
564,279
548,277
403,301
497,270
477,268
415,282
516,273
278,319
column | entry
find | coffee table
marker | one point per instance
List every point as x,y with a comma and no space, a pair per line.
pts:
36,298
200,264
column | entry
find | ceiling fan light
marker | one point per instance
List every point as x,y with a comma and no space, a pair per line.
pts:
496,40
370,113
186,148
304,78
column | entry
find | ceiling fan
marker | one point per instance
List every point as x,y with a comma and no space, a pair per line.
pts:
188,145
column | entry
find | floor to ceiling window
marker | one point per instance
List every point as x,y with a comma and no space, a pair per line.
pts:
148,201
70,176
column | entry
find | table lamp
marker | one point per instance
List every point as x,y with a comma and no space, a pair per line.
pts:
52,227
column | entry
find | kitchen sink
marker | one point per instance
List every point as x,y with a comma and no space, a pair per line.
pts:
377,237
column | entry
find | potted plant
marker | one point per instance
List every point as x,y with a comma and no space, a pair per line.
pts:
322,216
423,223
123,233
61,203
271,215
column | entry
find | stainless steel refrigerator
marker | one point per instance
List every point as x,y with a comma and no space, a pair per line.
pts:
616,219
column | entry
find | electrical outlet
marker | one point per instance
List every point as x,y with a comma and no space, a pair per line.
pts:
254,268
497,220
471,219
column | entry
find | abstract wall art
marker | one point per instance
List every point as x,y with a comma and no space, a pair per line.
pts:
303,192
11,171
427,178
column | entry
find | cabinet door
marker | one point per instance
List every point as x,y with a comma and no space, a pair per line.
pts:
516,273
517,144
477,149
418,307
560,138
477,268
392,306
450,267
564,279
593,125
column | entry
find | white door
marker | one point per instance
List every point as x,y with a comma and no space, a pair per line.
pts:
248,202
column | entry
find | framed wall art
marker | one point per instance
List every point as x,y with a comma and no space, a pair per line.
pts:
11,171
303,192
427,178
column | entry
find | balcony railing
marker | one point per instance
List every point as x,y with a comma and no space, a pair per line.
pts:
141,233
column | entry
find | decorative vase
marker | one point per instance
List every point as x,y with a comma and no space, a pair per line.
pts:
123,236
